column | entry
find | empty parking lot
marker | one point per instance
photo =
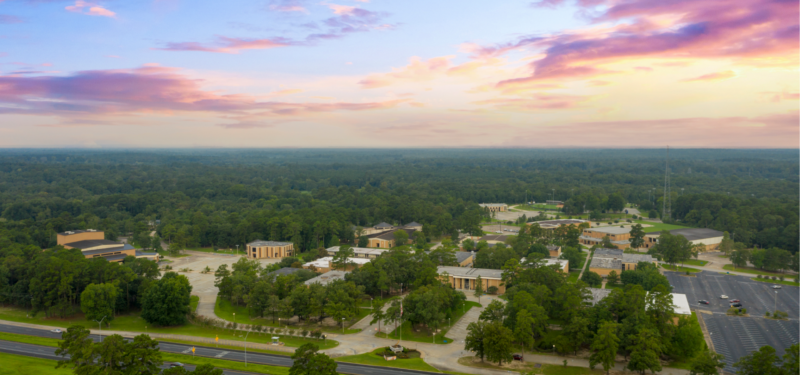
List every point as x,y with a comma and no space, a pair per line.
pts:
734,336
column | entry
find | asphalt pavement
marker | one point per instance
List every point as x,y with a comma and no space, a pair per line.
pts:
226,354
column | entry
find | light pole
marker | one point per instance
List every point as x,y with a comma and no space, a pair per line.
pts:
237,250
343,326
234,318
99,327
775,308
245,348
554,350
370,303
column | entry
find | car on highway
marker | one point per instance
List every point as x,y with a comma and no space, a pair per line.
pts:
737,304
776,287
703,302
734,301
57,330
723,297
176,364
517,357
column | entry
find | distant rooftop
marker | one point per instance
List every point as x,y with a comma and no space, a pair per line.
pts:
259,243
326,262
89,244
462,256
471,273
492,204
612,263
610,230
77,231
327,278
384,225
606,253
598,294
692,234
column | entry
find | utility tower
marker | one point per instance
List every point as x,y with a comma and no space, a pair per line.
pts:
666,210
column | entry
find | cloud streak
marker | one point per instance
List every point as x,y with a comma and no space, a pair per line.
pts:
712,76
226,45
90,9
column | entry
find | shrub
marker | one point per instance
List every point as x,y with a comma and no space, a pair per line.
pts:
758,276
616,221
304,333
492,290
781,278
766,314
774,278
744,311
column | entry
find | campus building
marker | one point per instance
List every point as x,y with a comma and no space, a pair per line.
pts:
606,260
324,265
680,304
92,244
494,238
359,252
464,278
385,240
557,223
269,249
327,278
710,238
562,264
465,258
554,250
619,236
495,207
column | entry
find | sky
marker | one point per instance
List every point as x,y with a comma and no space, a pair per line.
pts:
399,73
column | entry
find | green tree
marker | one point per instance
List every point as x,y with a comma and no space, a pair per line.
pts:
113,355
98,300
167,300
400,237
612,278
476,339
307,361
342,257
615,202
726,245
791,360
523,330
764,361
604,346
478,288
645,351
493,312
378,315
577,332
637,236
707,363
739,257
606,243
573,256
592,278
363,241
497,342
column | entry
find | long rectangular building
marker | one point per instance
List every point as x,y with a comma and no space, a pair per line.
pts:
710,238
92,244
269,249
465,278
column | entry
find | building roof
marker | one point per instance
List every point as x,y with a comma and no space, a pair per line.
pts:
471,273
636,258
325,262
328,277
681,304
107,250
145,254
389,235
607,253
561,221
612,263
598,240
494,237
598,294
462,256
384,225
114,258
88,244
259,243
692,234
77,231
610,230
359,250
552,247
285,271
413,224
492,204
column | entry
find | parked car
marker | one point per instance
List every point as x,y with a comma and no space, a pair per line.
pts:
703,302
734,301
737,304
497,231
517,357
776,287
176,364
57,330
723,297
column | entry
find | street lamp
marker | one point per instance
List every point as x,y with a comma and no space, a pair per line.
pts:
343,326
237,250
245,348
554,350
370,303
234,318
99,327
776,301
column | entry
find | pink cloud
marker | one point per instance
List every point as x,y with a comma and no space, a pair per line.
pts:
536,102
712,76
416,71
777,97
90,9
225,45
149,89
643,68
342,9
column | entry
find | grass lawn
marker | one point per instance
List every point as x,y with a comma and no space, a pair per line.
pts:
695,262
225,310
679,268
658,227
528,368
134,323
15,337
424,335
13,364
372,359
573,276
193,303
731,267
776,282
224,364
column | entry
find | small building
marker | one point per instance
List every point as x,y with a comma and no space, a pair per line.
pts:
709,237
618,236
325,264
562,264
555,251
269,249
464,278
413,225
598,295
606,260
92,244
327,278
359,252
385,240
465,258
494,207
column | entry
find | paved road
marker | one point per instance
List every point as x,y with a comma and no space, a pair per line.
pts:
227,354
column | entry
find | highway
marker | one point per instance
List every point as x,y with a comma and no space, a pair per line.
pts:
227,354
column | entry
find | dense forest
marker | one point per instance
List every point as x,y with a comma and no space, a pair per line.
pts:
315,197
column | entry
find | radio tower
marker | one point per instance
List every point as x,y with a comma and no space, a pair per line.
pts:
666,210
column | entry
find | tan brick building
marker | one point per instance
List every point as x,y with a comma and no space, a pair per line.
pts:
495,207
710,238
465,278
606,260
92,244
619,236
385,240
269,249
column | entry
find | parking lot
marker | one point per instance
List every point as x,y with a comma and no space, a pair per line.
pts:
734,336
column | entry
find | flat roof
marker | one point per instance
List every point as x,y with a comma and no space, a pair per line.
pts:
609,230
114,258
258,243
692,234
359,250
87,244
389,235
107,250
595,239
492,204
613,263
328,277
326,262
462,256
77,231
681,304
598,294
561,221
285,271
607,253
555,262
471,273
636,258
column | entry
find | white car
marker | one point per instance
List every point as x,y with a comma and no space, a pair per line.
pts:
776,287
723,297
57,330
499,232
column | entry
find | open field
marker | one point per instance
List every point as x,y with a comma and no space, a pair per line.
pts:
658,227
13,364
679,268
372,359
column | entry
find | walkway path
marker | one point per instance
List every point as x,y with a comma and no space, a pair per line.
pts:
586,263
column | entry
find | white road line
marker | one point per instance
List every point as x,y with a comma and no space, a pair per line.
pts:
221,354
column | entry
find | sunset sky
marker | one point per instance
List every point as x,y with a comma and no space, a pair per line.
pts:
399,73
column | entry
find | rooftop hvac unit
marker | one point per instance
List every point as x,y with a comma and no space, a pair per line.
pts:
91,230
69,232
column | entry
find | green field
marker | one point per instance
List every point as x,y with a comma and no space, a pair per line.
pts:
424,335
372,359
134,323
679,268
13,364
695,262
658,227
731,267
536,207
225,310
223,364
